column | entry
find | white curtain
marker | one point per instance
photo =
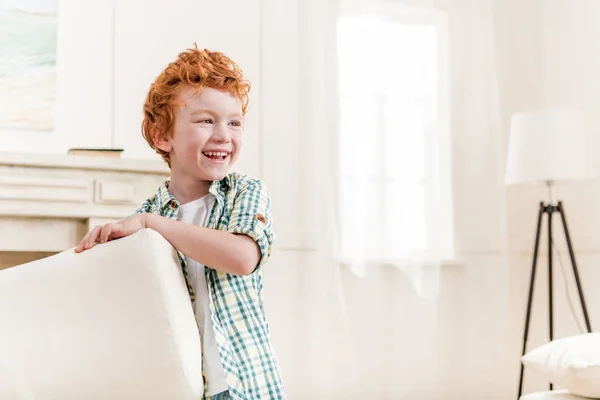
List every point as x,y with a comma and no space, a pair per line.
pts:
472,119
330,362
362,231
416,328
374,330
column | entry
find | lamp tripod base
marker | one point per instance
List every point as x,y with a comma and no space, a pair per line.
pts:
549,210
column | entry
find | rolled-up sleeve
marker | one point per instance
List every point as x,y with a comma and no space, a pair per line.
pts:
251,216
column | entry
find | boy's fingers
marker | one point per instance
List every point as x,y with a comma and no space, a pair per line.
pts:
117,231
89,239
110,232
82,245
106,231
100,234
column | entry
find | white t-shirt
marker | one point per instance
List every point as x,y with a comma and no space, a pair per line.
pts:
196,213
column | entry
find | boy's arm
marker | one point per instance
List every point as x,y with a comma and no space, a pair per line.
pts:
110,231
251,216
223,251
247,243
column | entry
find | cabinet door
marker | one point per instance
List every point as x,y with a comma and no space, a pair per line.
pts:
149,35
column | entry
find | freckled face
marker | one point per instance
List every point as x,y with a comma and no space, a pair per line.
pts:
207,135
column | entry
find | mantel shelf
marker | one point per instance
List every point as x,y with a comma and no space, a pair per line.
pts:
82,162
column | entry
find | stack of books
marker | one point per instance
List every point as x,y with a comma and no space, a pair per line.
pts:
95,152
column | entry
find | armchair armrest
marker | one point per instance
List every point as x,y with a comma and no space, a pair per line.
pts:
114,322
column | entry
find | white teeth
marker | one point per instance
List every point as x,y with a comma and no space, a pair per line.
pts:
216,153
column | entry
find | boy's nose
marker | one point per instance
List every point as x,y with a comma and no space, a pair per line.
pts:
220,133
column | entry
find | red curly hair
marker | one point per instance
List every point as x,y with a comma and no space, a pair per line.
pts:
195,68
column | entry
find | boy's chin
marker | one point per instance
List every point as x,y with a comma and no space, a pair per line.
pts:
214,176
211,174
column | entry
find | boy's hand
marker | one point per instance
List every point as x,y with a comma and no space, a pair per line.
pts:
103,234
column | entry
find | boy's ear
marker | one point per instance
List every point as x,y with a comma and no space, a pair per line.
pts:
160,142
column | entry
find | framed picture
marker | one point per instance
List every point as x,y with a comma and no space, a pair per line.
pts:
28,48
56,75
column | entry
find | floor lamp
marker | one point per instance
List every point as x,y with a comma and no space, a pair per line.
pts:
548,146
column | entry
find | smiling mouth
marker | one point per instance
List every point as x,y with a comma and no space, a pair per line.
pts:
216,155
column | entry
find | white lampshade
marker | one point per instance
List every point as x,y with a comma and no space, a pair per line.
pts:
548,145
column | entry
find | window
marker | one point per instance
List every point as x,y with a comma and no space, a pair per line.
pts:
395,200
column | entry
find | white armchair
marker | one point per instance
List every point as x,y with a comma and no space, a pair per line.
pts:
114,322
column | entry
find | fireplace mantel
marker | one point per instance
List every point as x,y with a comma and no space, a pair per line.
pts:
49,202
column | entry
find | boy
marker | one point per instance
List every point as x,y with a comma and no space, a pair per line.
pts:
219,222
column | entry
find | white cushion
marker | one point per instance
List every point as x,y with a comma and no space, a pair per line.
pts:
552,395
114,322
572,363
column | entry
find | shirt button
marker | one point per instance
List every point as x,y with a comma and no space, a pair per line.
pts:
173,204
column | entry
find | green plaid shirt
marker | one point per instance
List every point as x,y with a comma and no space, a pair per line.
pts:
242,206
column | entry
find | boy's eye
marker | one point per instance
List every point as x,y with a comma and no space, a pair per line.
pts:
235,123
205,121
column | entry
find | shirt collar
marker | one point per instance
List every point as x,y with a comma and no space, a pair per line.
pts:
218,188
164,198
